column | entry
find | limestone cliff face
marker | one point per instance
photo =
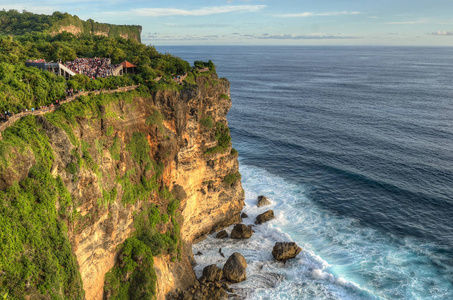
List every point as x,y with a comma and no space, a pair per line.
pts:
208,201
73,24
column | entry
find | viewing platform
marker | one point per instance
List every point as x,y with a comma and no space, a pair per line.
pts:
56,68
91,67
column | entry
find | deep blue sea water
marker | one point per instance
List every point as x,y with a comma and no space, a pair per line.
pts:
354,145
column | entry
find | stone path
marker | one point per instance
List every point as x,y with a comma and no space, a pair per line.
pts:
42,111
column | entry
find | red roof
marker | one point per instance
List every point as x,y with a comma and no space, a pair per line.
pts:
127,64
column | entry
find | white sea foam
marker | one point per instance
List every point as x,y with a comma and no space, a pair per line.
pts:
340,259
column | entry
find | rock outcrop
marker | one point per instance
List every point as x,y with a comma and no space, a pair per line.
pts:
108,188
241,231
222,234
212,273
263,201
234,269
283,251
264,217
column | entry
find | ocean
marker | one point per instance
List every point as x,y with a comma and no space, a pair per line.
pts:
354,146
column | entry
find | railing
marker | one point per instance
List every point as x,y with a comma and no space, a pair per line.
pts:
45,110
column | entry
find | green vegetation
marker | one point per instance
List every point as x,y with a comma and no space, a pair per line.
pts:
72,168
115,149
139,148
232,178
224,96
207,122
157,119
26,88
201,64
35,250
22,87
109,131
108,197
136,255
190,79
222,135
138,268
16,23
234,152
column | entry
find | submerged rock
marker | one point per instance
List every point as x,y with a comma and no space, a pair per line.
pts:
241,231
234,269
283,251
262,201
212,273
222,234
264,217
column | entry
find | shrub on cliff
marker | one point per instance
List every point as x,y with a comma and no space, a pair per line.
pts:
202,64
36,258
134,276
139,148
232,178
222,135
156,118
207,122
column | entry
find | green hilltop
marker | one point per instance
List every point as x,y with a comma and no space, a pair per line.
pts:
13,22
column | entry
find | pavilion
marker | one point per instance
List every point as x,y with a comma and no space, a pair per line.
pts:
129,67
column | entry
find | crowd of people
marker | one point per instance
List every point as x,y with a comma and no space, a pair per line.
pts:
36,61
92,67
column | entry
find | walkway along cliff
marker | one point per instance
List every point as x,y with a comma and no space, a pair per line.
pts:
135,170
46,110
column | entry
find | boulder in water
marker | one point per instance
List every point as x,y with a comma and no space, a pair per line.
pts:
222,234
212,273
264,217
283,251
262,201
244,215
234,269
241,231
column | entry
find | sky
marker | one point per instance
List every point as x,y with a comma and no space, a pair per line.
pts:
267,22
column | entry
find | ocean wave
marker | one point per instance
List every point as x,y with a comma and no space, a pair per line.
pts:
340,259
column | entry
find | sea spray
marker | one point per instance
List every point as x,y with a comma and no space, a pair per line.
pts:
340,259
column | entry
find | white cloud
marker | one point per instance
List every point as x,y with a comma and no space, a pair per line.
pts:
204,11
442,33
238,37
326,14
408,22
34,9
314,36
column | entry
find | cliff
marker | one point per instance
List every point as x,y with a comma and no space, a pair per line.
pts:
74,25
129,177
13,22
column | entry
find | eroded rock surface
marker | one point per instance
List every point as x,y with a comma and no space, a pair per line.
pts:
179,145
222,234
263,201
234,269
241,231
212,273
265,217
283,251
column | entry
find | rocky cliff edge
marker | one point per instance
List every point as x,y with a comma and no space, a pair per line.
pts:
124,159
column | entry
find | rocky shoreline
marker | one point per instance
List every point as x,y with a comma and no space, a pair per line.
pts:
215,281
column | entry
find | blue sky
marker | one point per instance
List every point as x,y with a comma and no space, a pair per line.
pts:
273,22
